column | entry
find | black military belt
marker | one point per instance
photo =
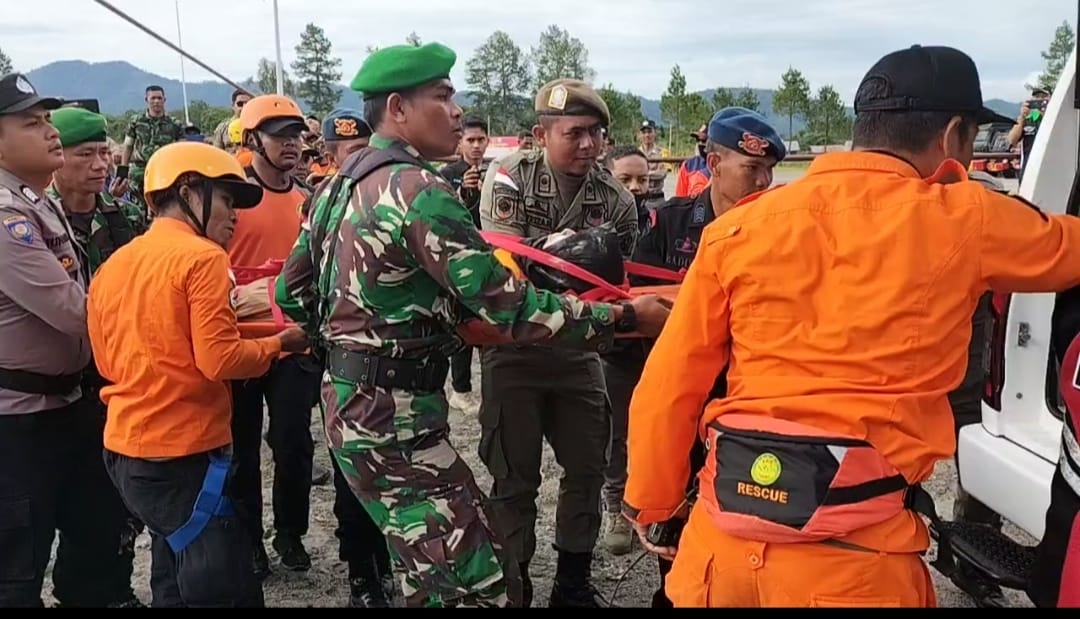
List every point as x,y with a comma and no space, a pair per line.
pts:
428,374
39,384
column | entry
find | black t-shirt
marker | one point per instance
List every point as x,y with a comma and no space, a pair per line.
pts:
671,240
455,173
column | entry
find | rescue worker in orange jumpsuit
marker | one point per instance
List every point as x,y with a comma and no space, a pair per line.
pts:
273,125
164,334
843,302
694,173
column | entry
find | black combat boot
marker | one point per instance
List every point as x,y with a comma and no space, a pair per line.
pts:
572,588
367,593
291,550
260,563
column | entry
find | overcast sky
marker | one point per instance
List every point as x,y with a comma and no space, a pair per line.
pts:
632,43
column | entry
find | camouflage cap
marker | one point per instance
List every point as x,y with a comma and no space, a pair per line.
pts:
566,97
401,67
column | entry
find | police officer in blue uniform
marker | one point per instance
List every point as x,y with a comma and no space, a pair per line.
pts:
741,151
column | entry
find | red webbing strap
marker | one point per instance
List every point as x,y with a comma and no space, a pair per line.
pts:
646,270
513,244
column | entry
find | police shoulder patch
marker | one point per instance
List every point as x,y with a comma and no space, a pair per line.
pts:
18,226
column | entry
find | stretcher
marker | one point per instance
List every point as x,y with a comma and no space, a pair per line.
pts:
507,246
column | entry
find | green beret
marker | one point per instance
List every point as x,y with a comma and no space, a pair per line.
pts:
401,67
566,97
78,125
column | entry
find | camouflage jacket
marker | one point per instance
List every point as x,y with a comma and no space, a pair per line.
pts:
111,225
149,133
407,264
520,196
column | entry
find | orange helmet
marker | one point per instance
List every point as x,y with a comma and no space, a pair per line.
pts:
173,162
272,114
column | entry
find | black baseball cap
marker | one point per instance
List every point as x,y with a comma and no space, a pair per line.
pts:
17,94
928,79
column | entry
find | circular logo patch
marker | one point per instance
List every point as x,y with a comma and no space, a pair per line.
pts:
766,469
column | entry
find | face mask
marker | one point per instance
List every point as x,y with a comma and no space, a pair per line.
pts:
640,199
701,150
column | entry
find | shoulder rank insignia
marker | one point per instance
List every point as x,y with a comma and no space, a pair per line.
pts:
18,226
29,194
698,216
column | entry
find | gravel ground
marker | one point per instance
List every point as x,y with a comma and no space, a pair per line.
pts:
325,584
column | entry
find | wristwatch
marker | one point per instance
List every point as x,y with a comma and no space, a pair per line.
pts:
628,322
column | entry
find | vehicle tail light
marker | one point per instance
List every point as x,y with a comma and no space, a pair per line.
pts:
994,353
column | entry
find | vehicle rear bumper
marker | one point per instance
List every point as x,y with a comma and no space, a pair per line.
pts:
1006,477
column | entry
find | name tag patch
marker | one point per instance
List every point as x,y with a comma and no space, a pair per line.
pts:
20,229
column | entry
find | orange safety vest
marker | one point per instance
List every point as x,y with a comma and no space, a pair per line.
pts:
778,481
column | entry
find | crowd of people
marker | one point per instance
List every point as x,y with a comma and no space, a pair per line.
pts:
762,436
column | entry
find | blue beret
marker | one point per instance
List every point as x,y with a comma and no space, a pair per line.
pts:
747,132
400,67
343,124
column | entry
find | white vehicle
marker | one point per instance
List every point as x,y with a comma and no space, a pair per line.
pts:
1008,460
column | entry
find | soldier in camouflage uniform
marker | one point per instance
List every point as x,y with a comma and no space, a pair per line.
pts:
383,271
148,132
533,393
101,224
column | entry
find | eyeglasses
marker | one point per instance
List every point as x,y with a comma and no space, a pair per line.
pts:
240,103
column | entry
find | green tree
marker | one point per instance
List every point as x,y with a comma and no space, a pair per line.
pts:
673,102
625,110
117,126
722,98
205,116
792,98
829,122
682,112
498,75
5,63
744,97
559,55
413,39
747,98
317,71
1057,55
266,79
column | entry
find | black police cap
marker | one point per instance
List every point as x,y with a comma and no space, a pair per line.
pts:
17,94
928,79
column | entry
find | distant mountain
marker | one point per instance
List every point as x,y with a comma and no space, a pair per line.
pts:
120,86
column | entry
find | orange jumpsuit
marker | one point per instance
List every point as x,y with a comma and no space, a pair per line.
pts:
843,302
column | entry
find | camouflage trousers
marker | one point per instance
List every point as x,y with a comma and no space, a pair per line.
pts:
437,524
